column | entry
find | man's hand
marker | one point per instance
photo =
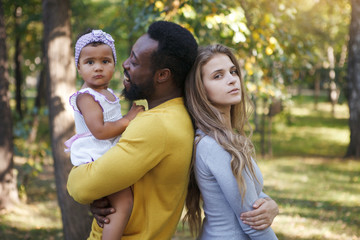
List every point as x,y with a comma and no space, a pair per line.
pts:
100,209
265,210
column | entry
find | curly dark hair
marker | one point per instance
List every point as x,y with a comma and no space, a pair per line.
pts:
177,49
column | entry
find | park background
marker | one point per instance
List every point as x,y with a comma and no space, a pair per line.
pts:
299,63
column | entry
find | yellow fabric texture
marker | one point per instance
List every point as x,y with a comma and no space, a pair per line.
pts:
153,155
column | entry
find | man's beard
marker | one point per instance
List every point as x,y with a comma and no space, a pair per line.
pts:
137,92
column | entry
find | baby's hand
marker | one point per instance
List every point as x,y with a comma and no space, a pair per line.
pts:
134,110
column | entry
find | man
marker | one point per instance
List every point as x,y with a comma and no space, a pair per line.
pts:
153,155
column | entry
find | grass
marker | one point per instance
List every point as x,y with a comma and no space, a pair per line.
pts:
316,189
318,197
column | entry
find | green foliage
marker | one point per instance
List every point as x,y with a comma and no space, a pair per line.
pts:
28,28
33,151
279,42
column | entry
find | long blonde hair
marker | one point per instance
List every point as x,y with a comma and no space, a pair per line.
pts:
209,119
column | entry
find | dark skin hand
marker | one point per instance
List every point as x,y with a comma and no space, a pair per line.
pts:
100,209
265,210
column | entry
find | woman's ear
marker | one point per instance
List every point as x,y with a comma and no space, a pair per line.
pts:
163,75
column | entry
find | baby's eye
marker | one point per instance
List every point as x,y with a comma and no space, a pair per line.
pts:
106,61
90,62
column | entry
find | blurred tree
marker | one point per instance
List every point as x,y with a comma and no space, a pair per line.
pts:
60,70
8,190
41,96
24,31
24,36
18,58
353,86
325,23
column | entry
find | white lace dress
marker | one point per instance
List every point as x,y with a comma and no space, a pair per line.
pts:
83,146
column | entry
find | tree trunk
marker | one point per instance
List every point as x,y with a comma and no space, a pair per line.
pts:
256,115
262,131
18,60
60,70
270,151
41,88
316,90
333,91
8,190
353,84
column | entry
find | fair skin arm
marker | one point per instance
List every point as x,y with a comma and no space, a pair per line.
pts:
94,119
123,202
265,210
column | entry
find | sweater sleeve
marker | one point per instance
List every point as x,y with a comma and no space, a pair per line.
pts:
217,161
123,165
263,195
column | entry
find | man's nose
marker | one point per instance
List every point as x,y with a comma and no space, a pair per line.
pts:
125,64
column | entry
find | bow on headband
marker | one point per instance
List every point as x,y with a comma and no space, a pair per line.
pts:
94,36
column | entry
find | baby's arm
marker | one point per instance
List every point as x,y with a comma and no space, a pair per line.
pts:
123,202
94,118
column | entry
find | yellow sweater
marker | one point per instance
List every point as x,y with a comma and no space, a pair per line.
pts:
153,155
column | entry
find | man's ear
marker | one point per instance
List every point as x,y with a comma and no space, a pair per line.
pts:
163,75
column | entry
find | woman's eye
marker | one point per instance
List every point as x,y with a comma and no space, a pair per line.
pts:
217,76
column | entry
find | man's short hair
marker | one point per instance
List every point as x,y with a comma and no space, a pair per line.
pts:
177,49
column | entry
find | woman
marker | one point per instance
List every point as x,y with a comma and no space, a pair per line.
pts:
227,178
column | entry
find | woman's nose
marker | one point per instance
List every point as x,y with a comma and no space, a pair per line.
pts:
231,79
